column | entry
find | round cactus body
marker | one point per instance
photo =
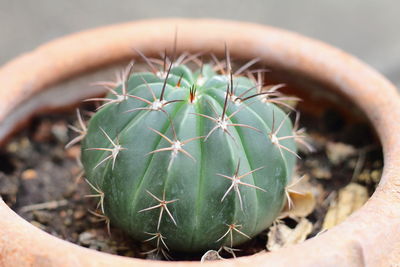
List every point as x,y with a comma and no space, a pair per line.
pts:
189,161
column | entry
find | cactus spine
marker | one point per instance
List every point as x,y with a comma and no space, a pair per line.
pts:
189,161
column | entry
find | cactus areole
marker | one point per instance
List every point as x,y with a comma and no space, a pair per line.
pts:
189,160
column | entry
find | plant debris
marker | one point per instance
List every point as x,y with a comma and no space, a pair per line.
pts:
338,152
303,205
350,199
281,235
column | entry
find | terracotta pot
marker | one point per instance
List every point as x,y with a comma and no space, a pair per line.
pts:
369,237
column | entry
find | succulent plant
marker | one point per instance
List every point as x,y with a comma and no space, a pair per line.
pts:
189,160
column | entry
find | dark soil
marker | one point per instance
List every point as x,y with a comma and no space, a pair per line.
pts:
42,182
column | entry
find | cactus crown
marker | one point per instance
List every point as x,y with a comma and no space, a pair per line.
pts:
189,161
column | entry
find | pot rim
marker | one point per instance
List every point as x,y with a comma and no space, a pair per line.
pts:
360,240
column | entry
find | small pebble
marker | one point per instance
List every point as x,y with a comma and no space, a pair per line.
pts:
29,174
43,217
60,131
86,238
63,213
43,131
79,214
67,221
73,152
12,147
376,175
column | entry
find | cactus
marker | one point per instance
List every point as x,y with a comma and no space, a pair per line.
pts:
189,160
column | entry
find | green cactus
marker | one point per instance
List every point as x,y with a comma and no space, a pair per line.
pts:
189,161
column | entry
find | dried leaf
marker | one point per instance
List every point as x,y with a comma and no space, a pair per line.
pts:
301,195
303,205
338,152
368,176
280,235
321,172
350,198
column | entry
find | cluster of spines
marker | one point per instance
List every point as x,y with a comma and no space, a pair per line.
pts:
222,121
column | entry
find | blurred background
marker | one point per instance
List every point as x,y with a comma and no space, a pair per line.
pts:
368,29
